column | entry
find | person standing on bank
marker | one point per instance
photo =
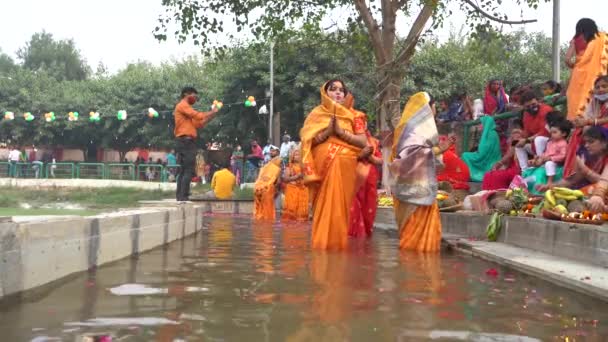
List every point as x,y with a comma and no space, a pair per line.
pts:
187,121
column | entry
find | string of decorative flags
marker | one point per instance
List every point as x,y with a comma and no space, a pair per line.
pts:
121,115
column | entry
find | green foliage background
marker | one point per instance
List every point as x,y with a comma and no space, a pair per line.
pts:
51,75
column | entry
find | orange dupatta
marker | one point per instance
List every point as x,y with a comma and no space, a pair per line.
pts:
264,190
317,121
589,66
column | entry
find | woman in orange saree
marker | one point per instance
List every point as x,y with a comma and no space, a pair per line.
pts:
265,188
332,138
413,176
296,193
591,50
365,203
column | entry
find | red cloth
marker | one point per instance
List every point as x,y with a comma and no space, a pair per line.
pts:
490,102
575,142
257,152
500,179
580,44
455,171
537,124
365,204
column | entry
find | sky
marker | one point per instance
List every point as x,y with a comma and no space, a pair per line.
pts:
116,32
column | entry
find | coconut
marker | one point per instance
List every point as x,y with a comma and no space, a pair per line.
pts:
576,206
504,206
448,202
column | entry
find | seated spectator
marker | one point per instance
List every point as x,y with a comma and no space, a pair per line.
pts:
591,173
550,89
222,184
495,100
549,166
503,172
460,109
596,114
455,171
534,128
487,153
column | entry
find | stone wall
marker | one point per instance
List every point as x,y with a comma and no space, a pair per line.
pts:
84,183
40,252
584,243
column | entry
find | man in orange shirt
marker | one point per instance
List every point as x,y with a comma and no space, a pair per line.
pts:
187,121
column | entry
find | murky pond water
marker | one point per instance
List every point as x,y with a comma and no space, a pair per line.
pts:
238,281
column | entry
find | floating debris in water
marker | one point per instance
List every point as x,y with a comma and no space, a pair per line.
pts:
492,272
128,321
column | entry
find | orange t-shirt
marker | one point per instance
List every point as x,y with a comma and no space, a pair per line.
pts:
188,120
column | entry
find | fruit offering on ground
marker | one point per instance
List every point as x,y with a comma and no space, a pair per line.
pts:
519,198
385,201
504,206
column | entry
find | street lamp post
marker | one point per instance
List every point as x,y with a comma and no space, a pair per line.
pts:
556,49
270,117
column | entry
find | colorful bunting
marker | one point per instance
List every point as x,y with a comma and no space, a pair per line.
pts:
94,116
28,116
73,116
152,113
48,117
121,115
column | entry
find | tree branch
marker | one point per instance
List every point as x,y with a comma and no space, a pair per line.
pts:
389,17
414,35
493,18
374,31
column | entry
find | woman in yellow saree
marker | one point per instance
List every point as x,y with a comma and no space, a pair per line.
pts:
589,49
413,176
332,138
265,188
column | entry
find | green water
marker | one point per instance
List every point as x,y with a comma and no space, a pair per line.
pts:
238,281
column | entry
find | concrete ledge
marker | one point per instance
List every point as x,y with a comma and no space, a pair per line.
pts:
589,279
226,206
85,183
35,253
584,243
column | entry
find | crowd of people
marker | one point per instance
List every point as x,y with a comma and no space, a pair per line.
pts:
548,143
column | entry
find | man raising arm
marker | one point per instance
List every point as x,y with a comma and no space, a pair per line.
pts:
187,121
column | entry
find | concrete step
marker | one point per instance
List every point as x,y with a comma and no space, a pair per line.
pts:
582,277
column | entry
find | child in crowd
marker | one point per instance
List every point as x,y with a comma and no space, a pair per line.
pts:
555,154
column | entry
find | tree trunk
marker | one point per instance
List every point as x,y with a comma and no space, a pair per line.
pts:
390,108
122,155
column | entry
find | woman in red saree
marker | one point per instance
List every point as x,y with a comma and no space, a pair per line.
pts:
506,169
332,139
455,170
495,100
365,204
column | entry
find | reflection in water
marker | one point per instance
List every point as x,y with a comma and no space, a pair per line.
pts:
238,281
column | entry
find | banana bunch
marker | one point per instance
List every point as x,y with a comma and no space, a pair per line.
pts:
567,194
554,197
385,201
